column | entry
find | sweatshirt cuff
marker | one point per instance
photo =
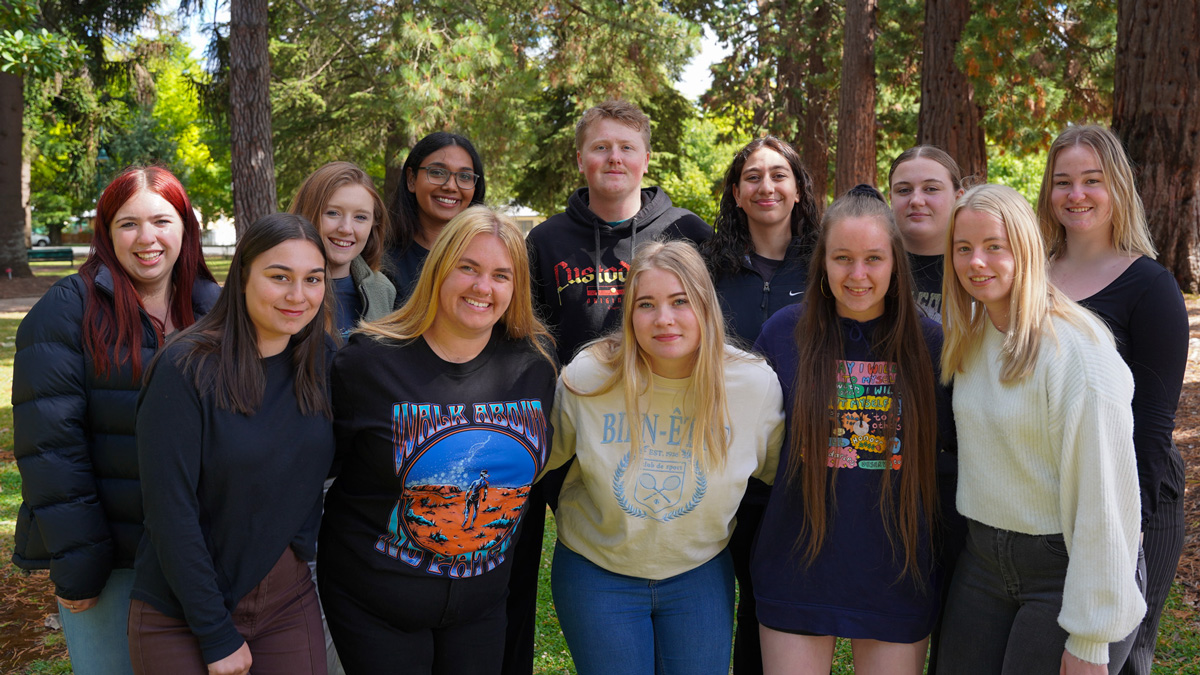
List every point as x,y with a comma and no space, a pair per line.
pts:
1086,650
221,643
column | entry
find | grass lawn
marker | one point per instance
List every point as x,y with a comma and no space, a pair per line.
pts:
1179,636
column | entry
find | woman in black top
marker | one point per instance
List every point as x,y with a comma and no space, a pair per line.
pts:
80,356
443,175
758,257
235,440
1102,257
440,415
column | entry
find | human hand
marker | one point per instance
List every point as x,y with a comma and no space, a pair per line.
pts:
77,606
237,663
1072,665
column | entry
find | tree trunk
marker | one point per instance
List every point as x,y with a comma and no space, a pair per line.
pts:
1156,112
949,117
856,105
393,161
252,157
14,209
814,143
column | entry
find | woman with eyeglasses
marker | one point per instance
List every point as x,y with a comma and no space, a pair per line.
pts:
443,175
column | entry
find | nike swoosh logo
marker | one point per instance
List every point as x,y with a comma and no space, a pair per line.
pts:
794,293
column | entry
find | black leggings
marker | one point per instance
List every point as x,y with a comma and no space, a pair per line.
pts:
442,627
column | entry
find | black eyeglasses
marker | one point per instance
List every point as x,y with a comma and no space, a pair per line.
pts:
438,175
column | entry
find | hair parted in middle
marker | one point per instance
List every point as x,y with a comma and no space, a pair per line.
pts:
1130,233
223,356
316,191
404,212
1032,299
622,111
934,153
629,367
731,238
420,311
897,338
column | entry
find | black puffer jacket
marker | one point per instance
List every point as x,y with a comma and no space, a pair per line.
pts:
73,439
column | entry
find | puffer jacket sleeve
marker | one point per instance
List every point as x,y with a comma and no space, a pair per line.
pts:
61,516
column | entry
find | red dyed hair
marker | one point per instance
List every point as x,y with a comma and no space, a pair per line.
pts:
112,333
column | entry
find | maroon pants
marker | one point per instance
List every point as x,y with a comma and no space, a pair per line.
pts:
279,619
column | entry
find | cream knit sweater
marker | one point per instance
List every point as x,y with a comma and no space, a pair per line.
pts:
1053,453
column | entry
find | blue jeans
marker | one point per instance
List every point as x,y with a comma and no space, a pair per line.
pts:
1002,614
620,625
96,639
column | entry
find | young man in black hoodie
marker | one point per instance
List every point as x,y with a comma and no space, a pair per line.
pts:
579,260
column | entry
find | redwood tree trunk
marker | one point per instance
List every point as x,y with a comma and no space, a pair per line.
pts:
14,208
252,157
856,105
814,143
949,117
1156,112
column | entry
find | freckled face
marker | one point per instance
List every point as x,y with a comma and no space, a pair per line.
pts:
665,324
346,223
858,262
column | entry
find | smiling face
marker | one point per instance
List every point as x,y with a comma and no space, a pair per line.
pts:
284,288
1079,194
923,195
665,324
766,191
613,159
147,233
346,223
858,262
477,292
437,204
984,263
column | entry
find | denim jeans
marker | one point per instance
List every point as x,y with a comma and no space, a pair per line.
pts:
96,638
621,625
1002,614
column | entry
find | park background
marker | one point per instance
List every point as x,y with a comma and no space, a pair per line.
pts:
243,98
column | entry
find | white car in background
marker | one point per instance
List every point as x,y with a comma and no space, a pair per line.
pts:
40,240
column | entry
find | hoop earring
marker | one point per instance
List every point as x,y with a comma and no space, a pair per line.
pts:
825,290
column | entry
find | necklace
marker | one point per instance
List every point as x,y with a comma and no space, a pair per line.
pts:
445,355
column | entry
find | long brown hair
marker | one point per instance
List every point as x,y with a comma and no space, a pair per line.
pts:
112,334
898,339
316,191
223,356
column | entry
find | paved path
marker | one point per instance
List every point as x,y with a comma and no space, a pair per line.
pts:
18,304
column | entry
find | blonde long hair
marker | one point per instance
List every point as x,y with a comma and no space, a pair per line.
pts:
1032,300
629,366
1130,233
418,314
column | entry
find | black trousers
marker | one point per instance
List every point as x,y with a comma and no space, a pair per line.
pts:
442,626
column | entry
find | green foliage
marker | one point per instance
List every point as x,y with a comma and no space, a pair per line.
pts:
1039,64
31,51
697,181
1021,172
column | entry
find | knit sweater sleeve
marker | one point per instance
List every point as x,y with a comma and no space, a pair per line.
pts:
771,427
563,446
170,438
1089,392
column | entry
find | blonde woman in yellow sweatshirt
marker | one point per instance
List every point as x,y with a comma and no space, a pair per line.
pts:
667,423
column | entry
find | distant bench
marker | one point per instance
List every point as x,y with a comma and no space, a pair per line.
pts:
48,253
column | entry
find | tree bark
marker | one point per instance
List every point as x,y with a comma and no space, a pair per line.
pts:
14,208
397,142
1156,112
856,104
949,117
252,156
815,142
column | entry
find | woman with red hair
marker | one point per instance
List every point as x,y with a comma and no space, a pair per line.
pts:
81,352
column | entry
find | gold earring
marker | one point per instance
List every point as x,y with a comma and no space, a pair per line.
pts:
825,290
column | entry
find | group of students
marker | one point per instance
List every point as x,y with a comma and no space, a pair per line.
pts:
957,446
